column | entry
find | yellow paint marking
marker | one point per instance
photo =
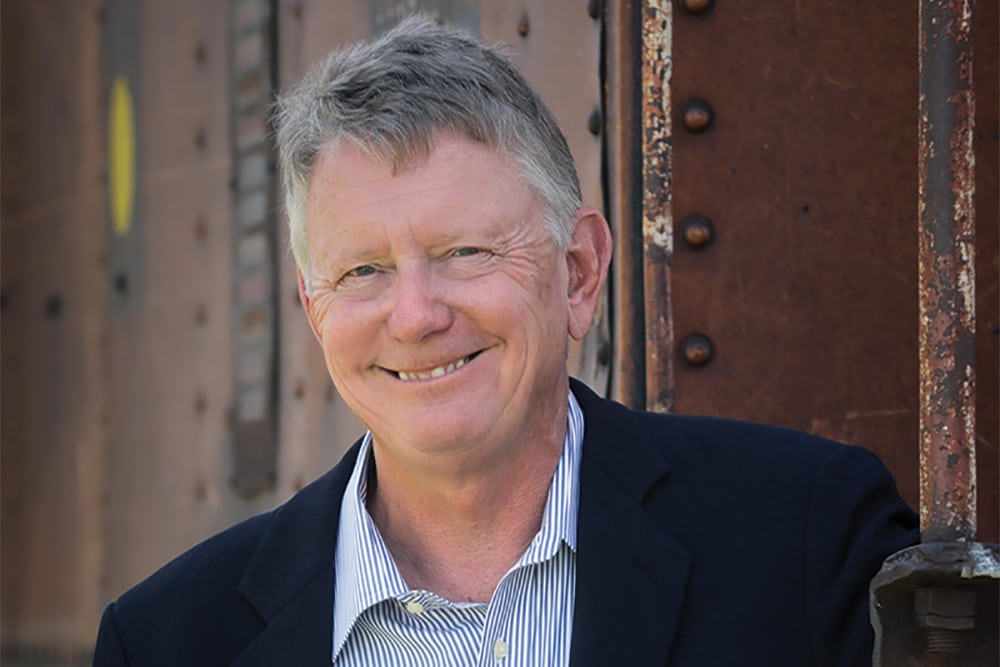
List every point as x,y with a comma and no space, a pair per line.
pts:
121,156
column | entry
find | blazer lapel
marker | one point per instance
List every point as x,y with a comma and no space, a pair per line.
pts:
631,576
289,580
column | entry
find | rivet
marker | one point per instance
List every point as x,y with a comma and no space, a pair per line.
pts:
523,26
594,9
121,283
697,231
594,122
54,306
697,349
698,115
299,389
604,353
698,7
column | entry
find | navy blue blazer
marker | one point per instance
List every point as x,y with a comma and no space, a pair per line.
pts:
700,542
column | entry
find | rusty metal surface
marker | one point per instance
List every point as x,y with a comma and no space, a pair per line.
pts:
167,367
987,202
623,155
657,211
808,174
255,327
947,273
935,605
54,402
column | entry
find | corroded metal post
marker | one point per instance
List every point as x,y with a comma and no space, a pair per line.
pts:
947,273
657,215
937,603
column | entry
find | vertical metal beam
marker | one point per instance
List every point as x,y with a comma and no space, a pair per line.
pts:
947,273
657,213
623,190
937,603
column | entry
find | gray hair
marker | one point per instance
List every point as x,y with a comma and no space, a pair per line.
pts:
388,97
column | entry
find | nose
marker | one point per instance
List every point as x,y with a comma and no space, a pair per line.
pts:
417,307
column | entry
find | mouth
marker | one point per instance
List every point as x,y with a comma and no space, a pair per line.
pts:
437,371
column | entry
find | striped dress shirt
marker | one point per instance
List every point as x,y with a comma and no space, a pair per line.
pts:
378,621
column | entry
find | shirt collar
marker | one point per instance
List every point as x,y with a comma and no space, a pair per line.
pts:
372,575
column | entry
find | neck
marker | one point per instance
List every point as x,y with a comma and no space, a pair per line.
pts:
457,535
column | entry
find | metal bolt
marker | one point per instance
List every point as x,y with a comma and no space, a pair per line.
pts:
697,349
698,115
944,613
698,7
697,231
594,9
594,122
54,306
604,353
121,283
523,27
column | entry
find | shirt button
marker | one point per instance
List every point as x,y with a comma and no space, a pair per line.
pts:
415,608
500,649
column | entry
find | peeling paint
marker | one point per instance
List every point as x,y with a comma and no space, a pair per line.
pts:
981,562
657,216
947,273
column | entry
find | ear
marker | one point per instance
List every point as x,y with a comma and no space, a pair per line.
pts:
587,259
304,300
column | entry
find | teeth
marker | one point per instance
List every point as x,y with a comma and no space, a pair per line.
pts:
434,372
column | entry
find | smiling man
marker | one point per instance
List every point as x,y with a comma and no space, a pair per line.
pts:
496,512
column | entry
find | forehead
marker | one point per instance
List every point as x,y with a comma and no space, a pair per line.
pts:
458,178
452,163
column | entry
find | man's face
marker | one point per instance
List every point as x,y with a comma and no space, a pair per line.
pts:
440,300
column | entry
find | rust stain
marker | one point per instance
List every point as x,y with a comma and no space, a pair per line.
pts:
947,273
657,220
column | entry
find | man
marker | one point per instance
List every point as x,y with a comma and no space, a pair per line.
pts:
497,512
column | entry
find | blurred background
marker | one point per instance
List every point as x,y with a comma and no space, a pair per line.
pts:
159,381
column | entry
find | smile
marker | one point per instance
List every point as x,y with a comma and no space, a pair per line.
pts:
439,371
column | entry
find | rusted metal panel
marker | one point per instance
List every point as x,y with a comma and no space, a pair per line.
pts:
807,173
255,325
657,210
987,202
947,273
52,278
168,369
122,66
387,13
624,188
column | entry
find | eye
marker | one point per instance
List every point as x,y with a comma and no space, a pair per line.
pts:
360,271
467,252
